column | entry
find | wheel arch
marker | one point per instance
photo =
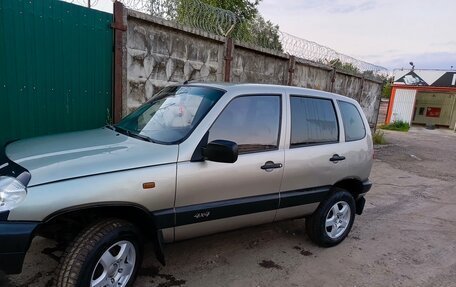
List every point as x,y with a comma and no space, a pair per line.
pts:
86,213
356,188
65,224
353,185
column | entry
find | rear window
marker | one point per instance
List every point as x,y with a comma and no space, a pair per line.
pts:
353,122
313,121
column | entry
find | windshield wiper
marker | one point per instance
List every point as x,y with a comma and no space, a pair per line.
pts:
141,137
111,127
131,134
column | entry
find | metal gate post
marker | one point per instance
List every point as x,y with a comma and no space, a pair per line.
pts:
119,28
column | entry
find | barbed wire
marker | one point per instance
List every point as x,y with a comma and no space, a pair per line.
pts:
258,32
313,51
193,13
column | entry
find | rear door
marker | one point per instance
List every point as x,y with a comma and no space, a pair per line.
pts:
213,197
313,156
357,143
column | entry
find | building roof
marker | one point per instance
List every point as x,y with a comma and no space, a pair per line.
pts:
433,78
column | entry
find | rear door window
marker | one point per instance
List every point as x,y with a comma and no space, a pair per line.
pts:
353,122
313,121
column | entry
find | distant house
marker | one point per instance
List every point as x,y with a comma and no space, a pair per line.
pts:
423,97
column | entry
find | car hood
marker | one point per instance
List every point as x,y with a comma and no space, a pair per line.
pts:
77,154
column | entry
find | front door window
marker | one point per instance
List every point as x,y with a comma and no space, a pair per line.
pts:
250,121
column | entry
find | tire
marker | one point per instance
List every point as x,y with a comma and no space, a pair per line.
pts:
340,220
107,251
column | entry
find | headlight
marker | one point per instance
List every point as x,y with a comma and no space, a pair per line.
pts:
12,193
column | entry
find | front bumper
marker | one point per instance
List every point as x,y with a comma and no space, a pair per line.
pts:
15,238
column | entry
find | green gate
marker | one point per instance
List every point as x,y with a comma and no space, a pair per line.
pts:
55,68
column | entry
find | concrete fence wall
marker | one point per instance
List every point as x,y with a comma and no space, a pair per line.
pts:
159,52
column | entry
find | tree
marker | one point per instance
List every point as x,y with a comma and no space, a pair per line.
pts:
251,26
347,67
245,10
266,33
387,87
259,32
238,18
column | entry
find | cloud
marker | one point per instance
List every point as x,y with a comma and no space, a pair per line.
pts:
435,60
444,44
331,6
348,8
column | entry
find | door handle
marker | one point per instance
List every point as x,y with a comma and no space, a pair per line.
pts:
335,158
271,165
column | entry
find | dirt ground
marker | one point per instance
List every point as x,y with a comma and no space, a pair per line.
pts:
406,236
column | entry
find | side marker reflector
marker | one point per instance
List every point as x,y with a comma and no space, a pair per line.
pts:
148,185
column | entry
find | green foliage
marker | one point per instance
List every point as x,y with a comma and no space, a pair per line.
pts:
245,10
347,67
252,27
386,91
397,126
259,31
378,137
243,22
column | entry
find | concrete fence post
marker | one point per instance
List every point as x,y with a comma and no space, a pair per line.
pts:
229,47
332,80
291,70
379,105
360,95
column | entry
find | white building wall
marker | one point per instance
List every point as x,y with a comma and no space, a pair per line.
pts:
404,101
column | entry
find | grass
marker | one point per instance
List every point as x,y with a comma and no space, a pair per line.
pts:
396,126
378,137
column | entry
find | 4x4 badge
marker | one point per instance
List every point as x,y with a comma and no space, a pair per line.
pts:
202,215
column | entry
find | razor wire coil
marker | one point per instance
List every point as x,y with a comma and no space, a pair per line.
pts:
222,22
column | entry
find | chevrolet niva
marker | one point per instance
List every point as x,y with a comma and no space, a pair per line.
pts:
196,159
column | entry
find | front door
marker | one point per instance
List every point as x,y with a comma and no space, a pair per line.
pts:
213,197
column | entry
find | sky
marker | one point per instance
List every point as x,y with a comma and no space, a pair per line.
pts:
389,33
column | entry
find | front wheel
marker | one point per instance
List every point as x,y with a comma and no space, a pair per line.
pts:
105,254
333,220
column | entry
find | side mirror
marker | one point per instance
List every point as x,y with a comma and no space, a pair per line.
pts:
221,151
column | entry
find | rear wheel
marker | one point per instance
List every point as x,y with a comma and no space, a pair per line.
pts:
107,253
333,220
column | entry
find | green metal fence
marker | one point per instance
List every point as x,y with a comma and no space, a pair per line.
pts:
55,68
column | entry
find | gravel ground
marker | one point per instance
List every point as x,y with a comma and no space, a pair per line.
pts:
406,236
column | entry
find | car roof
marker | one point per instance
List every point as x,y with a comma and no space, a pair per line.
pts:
248,87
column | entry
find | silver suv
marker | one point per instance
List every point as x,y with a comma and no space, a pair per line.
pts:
195,159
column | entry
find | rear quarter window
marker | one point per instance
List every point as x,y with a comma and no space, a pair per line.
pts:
353,122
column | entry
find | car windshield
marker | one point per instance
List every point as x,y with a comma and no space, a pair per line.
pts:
171,115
